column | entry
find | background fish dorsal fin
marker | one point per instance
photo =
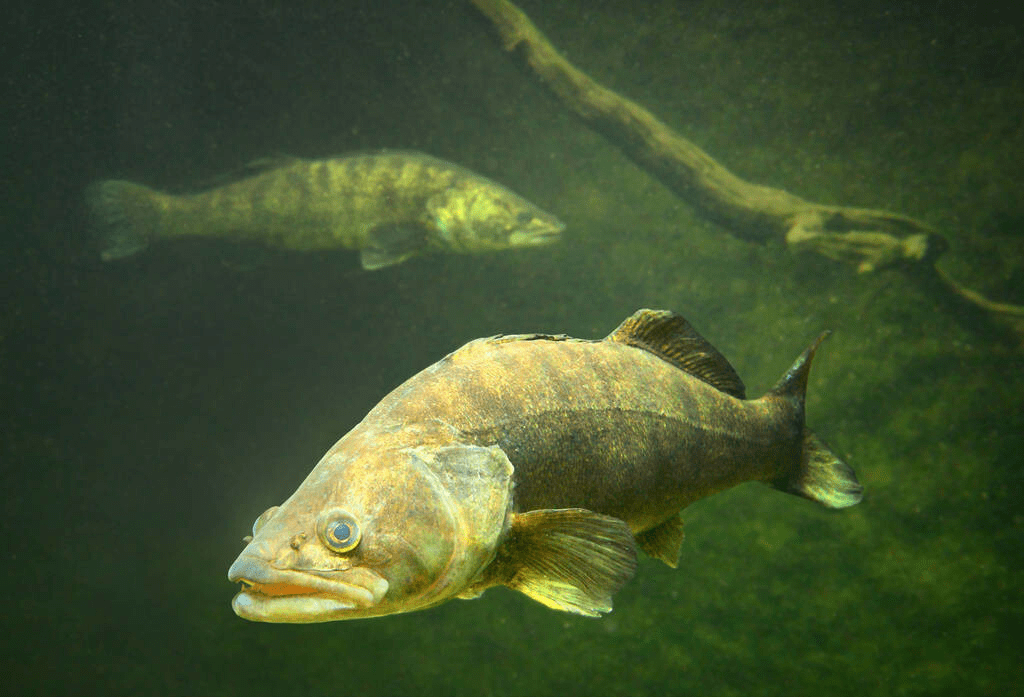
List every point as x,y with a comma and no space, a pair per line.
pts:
249,169
269,162
671,338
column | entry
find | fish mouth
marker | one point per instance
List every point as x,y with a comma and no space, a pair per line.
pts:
531,237
269,594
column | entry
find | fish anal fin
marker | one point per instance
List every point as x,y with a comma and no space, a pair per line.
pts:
670,337
663,541
568,559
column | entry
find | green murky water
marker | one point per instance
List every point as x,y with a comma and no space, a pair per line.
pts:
153,408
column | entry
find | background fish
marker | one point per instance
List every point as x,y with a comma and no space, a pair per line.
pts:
536,462
390,206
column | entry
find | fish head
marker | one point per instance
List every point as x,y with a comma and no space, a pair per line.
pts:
482,216
376,533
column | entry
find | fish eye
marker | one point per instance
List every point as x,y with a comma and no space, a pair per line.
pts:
264,518
525,217
339,531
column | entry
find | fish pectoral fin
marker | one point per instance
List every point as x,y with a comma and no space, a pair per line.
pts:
663,541
568,559
392,243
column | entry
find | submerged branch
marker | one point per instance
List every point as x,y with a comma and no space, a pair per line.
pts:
869,239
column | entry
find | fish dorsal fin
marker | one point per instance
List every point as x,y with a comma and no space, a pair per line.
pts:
249,169
671,338
510,338
269,162
568,559
663,541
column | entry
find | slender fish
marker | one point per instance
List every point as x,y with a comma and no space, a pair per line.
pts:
536,462
389,205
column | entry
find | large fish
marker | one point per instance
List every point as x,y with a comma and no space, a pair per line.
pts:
533,461
389,205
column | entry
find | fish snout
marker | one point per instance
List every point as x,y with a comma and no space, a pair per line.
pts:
248,568
273,594
541,230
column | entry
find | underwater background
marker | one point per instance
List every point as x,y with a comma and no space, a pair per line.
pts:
153,407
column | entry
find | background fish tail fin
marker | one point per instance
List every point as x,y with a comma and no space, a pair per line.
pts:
125,217
821,475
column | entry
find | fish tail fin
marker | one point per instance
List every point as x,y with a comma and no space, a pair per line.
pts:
821,475
125,216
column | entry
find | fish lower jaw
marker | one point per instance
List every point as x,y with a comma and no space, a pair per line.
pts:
253,605
534,238
271,594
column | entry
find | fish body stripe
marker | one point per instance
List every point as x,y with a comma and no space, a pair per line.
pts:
390,205
599,425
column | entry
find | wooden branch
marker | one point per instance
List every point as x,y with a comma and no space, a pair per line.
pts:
869,239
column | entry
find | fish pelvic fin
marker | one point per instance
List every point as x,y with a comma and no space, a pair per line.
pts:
390,244
125,217
821,475
568,559
670,337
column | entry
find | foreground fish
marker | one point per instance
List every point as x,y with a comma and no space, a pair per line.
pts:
536,462
390,206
